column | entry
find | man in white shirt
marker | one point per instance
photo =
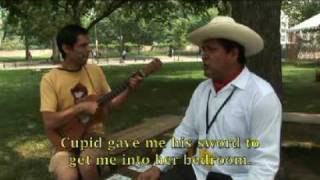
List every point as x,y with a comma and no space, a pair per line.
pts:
235,110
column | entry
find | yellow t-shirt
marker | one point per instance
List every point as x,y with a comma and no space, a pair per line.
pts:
60,89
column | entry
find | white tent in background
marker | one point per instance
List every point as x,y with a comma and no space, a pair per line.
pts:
304,39
309,24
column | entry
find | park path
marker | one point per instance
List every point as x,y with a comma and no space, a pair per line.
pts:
38,66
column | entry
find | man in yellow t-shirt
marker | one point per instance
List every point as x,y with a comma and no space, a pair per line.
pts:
62,90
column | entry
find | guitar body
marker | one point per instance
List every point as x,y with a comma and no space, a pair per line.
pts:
84,125
77,128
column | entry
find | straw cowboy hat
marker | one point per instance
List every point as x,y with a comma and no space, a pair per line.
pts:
226,28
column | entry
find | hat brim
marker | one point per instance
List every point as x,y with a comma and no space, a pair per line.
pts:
239,33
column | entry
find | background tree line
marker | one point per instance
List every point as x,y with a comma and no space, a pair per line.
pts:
150,22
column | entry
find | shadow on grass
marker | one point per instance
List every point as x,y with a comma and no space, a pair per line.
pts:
302,163
24,147
166,92
17,166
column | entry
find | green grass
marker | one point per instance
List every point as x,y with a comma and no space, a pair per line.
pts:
22,58
132,54
300,88
309,161
21,129
24,147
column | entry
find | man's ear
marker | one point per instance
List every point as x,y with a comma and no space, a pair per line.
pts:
66,48
234,53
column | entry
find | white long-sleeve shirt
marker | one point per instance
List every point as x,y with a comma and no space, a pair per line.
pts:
254,111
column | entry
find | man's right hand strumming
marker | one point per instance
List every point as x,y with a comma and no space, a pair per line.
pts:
88,107
53,120
151,174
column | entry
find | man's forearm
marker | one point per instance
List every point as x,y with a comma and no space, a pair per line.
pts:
118,101
54,120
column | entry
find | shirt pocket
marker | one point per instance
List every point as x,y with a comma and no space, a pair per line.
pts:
235,123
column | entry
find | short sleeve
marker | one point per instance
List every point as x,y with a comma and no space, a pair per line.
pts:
48,96
105,88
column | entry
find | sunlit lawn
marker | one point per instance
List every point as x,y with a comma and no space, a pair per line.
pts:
22,58
24,150
301,91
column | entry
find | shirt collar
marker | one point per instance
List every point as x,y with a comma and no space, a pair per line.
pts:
218,85
241,80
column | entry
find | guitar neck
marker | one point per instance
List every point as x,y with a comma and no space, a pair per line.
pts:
152,67
109,96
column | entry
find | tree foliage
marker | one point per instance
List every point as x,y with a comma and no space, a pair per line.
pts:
137,21
300,10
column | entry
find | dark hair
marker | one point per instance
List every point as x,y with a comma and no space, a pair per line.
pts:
228,45
68,35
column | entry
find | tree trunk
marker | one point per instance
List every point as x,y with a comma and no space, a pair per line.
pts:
4,35
96,39
76,17
264,18
55,57
27,47
224,7
76,8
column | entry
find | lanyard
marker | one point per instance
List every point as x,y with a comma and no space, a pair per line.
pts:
208,126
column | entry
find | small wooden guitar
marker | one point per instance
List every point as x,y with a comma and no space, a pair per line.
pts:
78,128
